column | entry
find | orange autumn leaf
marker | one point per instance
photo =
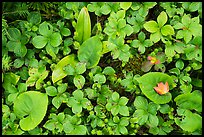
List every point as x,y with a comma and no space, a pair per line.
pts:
153,60
162,88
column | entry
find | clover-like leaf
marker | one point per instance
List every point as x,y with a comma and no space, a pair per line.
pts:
148,81
31,108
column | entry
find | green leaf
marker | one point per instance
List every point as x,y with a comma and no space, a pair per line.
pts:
115,110
167,30
153,120
152,108
34,18
90,51
83,26
115,96
50,50
151,26
68,127
79,81
22,87
50,125
121,23
189,120
18,63
164,109
39,42
45,29
180,64
65,32
78,95
79,130
190,101
77,108
57,101
125,5
108,71
148,81
80,68
55,39
162,19
20,50
123,130
14,34
140,103
141,36
58,72
123,101
51,91
155,37
100,78
124,111
141,116
62,88
32,104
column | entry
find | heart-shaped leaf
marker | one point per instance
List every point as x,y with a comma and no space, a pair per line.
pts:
31,108
148,81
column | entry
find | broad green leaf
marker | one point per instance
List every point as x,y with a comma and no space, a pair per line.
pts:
62,88
55,39
18,63
68,127
152,108
151,26
153,120
90,51
50,50
190,101
164,109
125,5
45,29
51,91
14,34
115,96
12,44
78,95
123,130
57,101
20,50
100,78
79,81
123,101
155,37
167,30
141,36
65,32
162,19
124,111
34,18
179,64
59,73
148,81
80,68
128,30
50,125
140,103
32,104
141,116
108,71
39,42
79,130
121,23
124,121
76,108
22,87
189,120
115,110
